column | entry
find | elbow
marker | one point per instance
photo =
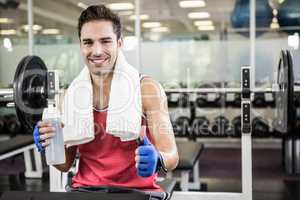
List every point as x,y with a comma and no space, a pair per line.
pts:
65,170
174,162
62,168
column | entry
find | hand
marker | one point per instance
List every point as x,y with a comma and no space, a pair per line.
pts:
42,132
146,158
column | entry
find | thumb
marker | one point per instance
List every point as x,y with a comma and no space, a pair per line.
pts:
143,135
146,141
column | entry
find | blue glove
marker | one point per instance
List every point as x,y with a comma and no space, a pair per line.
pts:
149,158
37,141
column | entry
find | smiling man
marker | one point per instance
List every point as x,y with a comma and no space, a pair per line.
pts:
106,160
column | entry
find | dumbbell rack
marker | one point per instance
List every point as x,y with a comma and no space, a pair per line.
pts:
246,148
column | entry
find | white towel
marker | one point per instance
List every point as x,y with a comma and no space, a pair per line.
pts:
125,105
124,110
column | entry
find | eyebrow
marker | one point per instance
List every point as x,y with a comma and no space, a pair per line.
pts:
89,39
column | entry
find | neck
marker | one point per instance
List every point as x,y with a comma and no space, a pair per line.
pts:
100,80
101,89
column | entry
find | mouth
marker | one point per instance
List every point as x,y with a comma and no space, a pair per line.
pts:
98,61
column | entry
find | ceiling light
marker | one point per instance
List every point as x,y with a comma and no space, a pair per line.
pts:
35,27
192,4
198,15
120,6
82,5
203,23
126,12
8,32
151,24
142,17
129,28
51,31
206,28
7,43
6,21
160,29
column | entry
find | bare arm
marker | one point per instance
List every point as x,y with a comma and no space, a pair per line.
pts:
70,157
156,108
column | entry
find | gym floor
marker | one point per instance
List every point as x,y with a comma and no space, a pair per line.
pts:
220,171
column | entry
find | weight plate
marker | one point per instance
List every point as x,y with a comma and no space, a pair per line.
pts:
30,86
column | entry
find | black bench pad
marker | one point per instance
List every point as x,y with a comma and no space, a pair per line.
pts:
189,152
15,143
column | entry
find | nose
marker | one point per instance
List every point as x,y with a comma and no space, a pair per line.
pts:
97,49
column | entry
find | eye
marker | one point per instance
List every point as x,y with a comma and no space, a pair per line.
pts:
87,42
106,41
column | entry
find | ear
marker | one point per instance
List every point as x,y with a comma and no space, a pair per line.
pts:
120,42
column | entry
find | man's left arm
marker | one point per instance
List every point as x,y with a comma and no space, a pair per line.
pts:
155,107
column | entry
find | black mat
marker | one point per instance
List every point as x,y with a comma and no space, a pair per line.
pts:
19,195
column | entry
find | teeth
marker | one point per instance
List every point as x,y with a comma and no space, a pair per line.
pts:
98,60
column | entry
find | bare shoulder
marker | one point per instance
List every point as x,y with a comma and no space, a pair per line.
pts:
152,93
150,86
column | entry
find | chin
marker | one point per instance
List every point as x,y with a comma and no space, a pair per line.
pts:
97,71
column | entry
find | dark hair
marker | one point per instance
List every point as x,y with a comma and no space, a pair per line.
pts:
99,12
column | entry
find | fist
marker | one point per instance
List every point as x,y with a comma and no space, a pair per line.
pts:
146,158
42,132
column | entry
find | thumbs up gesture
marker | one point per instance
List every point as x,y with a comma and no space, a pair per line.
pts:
146,158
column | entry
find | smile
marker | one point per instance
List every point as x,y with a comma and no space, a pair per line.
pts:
98,60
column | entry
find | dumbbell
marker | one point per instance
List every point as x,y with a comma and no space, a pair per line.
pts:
13,126
183,100
181,126
259,100
220,126
200,127
2,124
260,127
233,99
201,101
169,98
236,124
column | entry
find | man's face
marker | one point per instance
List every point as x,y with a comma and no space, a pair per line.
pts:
99,46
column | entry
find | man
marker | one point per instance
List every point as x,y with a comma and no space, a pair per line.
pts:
106,160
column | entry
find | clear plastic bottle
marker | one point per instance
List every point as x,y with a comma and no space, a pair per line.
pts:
55,151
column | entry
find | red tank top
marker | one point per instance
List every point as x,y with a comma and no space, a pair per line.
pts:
106,161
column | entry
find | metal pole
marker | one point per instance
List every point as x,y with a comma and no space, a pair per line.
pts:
247,139
30,26
246,133
138,34
252,40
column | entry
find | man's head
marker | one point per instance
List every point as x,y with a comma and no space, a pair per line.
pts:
99,31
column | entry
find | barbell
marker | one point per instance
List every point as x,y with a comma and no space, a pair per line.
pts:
31,90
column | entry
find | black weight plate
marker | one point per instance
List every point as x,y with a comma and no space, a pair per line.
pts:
285,108
291,117
280,122
30,86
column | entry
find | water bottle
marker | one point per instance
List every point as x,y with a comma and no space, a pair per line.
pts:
55,151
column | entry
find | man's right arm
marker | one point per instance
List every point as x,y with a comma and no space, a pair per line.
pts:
42,133
70,153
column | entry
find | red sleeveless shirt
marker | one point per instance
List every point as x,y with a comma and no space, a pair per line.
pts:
106,161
